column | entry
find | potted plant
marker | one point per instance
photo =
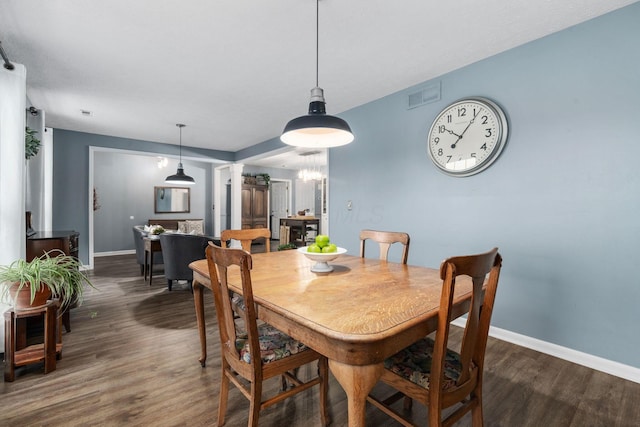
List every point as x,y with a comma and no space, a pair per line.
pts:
31,283
264,178
31,143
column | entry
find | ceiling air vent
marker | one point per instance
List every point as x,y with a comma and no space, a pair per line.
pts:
423,96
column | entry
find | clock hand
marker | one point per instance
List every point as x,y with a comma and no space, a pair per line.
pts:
465,129
452,132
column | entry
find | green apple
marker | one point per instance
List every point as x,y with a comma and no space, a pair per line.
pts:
314,248
322,240
330,248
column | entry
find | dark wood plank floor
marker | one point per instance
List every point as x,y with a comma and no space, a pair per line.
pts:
132,359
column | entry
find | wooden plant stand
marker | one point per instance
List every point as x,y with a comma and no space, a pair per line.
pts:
48,351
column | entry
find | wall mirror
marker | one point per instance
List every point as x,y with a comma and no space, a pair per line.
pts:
172,199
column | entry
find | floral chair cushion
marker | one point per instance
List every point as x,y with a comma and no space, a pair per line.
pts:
274,345
414,364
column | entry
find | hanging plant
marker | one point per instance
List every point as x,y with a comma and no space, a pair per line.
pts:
31,143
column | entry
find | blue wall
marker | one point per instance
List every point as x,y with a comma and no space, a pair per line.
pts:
561,202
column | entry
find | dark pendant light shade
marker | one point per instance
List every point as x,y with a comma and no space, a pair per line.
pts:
317,129
180,178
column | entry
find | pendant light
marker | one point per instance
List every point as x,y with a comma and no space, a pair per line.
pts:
317,129
180,178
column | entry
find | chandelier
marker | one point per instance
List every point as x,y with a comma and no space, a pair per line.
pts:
310,172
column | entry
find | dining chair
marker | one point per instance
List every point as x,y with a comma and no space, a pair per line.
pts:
432,373
246,237
138,239
256,351
385,239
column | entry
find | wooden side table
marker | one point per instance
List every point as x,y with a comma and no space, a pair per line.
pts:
150,246
48,351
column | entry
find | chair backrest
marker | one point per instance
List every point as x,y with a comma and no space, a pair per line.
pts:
138,235
220,261
385,239
178,251
246,237
474,340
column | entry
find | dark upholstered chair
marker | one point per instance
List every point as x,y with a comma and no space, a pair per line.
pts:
180,250
138,235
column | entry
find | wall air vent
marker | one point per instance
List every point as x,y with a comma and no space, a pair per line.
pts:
423,96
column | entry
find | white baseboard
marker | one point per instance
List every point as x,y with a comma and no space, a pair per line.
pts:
112,253
590,361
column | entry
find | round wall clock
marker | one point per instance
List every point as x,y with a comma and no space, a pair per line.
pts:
467,136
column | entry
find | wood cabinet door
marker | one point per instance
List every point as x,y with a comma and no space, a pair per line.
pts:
255,203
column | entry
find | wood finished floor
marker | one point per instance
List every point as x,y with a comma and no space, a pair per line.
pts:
131,359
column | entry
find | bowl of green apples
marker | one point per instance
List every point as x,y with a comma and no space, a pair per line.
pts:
321,252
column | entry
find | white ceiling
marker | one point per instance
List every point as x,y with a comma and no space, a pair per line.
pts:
235,71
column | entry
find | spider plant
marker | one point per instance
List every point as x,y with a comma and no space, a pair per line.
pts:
55,270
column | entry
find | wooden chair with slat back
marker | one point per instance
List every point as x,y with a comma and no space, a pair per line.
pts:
385,239
246,237
432,373
241,348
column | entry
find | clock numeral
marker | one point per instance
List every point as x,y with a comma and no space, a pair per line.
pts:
489,133
462,111
448,159
440,152
484,147
441,129
436,140
485,120
449,118
473,155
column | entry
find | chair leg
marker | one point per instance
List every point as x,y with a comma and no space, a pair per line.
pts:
254,406
142,269
407,404
476,412
224,394
169,283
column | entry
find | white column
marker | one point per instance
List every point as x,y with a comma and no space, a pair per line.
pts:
12,169
47,207
236,196
217,202
36,179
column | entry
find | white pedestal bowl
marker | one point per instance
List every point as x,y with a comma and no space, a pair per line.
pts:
322,259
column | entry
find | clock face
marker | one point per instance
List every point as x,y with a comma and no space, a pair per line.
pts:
467,136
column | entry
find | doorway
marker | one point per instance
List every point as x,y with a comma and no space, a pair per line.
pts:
280,202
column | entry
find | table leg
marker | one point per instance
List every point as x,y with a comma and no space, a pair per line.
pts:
199,305
146,264
357,382
150,267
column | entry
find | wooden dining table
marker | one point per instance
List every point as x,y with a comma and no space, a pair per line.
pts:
361,313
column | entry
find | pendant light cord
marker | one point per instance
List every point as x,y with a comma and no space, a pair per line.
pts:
180,125
317,38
